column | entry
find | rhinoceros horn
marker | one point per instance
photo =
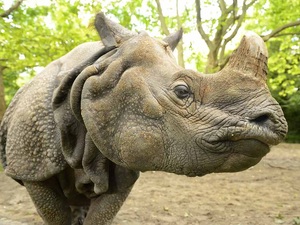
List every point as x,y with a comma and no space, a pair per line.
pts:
250,58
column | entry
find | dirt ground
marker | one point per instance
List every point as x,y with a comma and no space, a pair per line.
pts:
266,194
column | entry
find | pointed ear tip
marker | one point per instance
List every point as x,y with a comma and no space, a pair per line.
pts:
100,20
100,16
180,32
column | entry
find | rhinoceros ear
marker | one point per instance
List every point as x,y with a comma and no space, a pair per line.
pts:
173,39
111,33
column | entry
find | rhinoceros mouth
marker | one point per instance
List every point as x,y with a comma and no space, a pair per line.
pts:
246,153
231,156
246,131
248,139
239,150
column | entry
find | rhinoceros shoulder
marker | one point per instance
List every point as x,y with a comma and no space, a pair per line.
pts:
30,146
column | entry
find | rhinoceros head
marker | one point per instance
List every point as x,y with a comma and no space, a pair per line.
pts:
144,112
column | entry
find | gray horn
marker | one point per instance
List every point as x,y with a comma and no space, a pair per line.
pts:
251,57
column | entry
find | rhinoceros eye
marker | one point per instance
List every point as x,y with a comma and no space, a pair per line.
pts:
182,91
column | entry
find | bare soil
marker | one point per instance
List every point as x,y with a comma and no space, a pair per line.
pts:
266,194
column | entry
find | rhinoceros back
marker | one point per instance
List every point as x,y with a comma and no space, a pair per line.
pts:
30,145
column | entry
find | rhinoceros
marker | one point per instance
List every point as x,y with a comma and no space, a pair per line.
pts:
80,132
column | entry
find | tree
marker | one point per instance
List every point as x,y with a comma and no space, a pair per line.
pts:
5,14
166,31
226,24
32,37
223,29
2,94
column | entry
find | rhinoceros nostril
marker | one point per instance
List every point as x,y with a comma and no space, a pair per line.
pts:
261,119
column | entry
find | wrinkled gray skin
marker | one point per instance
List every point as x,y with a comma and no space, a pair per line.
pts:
79,132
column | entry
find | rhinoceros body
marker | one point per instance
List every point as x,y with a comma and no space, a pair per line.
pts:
78,134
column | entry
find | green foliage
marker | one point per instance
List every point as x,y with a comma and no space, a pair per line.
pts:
284,64
32,37
135,15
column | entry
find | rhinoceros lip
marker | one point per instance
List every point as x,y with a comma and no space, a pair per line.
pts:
228,139
248,131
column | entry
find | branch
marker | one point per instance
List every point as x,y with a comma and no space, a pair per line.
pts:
162,19
231,21
222,5
240,20
275,32
179,25
199,26
224,23
11,9
287,34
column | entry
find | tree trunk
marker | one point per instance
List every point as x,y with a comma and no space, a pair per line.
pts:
2,95
212,62
180,54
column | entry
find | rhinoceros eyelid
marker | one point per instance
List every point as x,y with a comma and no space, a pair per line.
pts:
184,83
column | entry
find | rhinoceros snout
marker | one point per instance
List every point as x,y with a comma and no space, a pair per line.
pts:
271,121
